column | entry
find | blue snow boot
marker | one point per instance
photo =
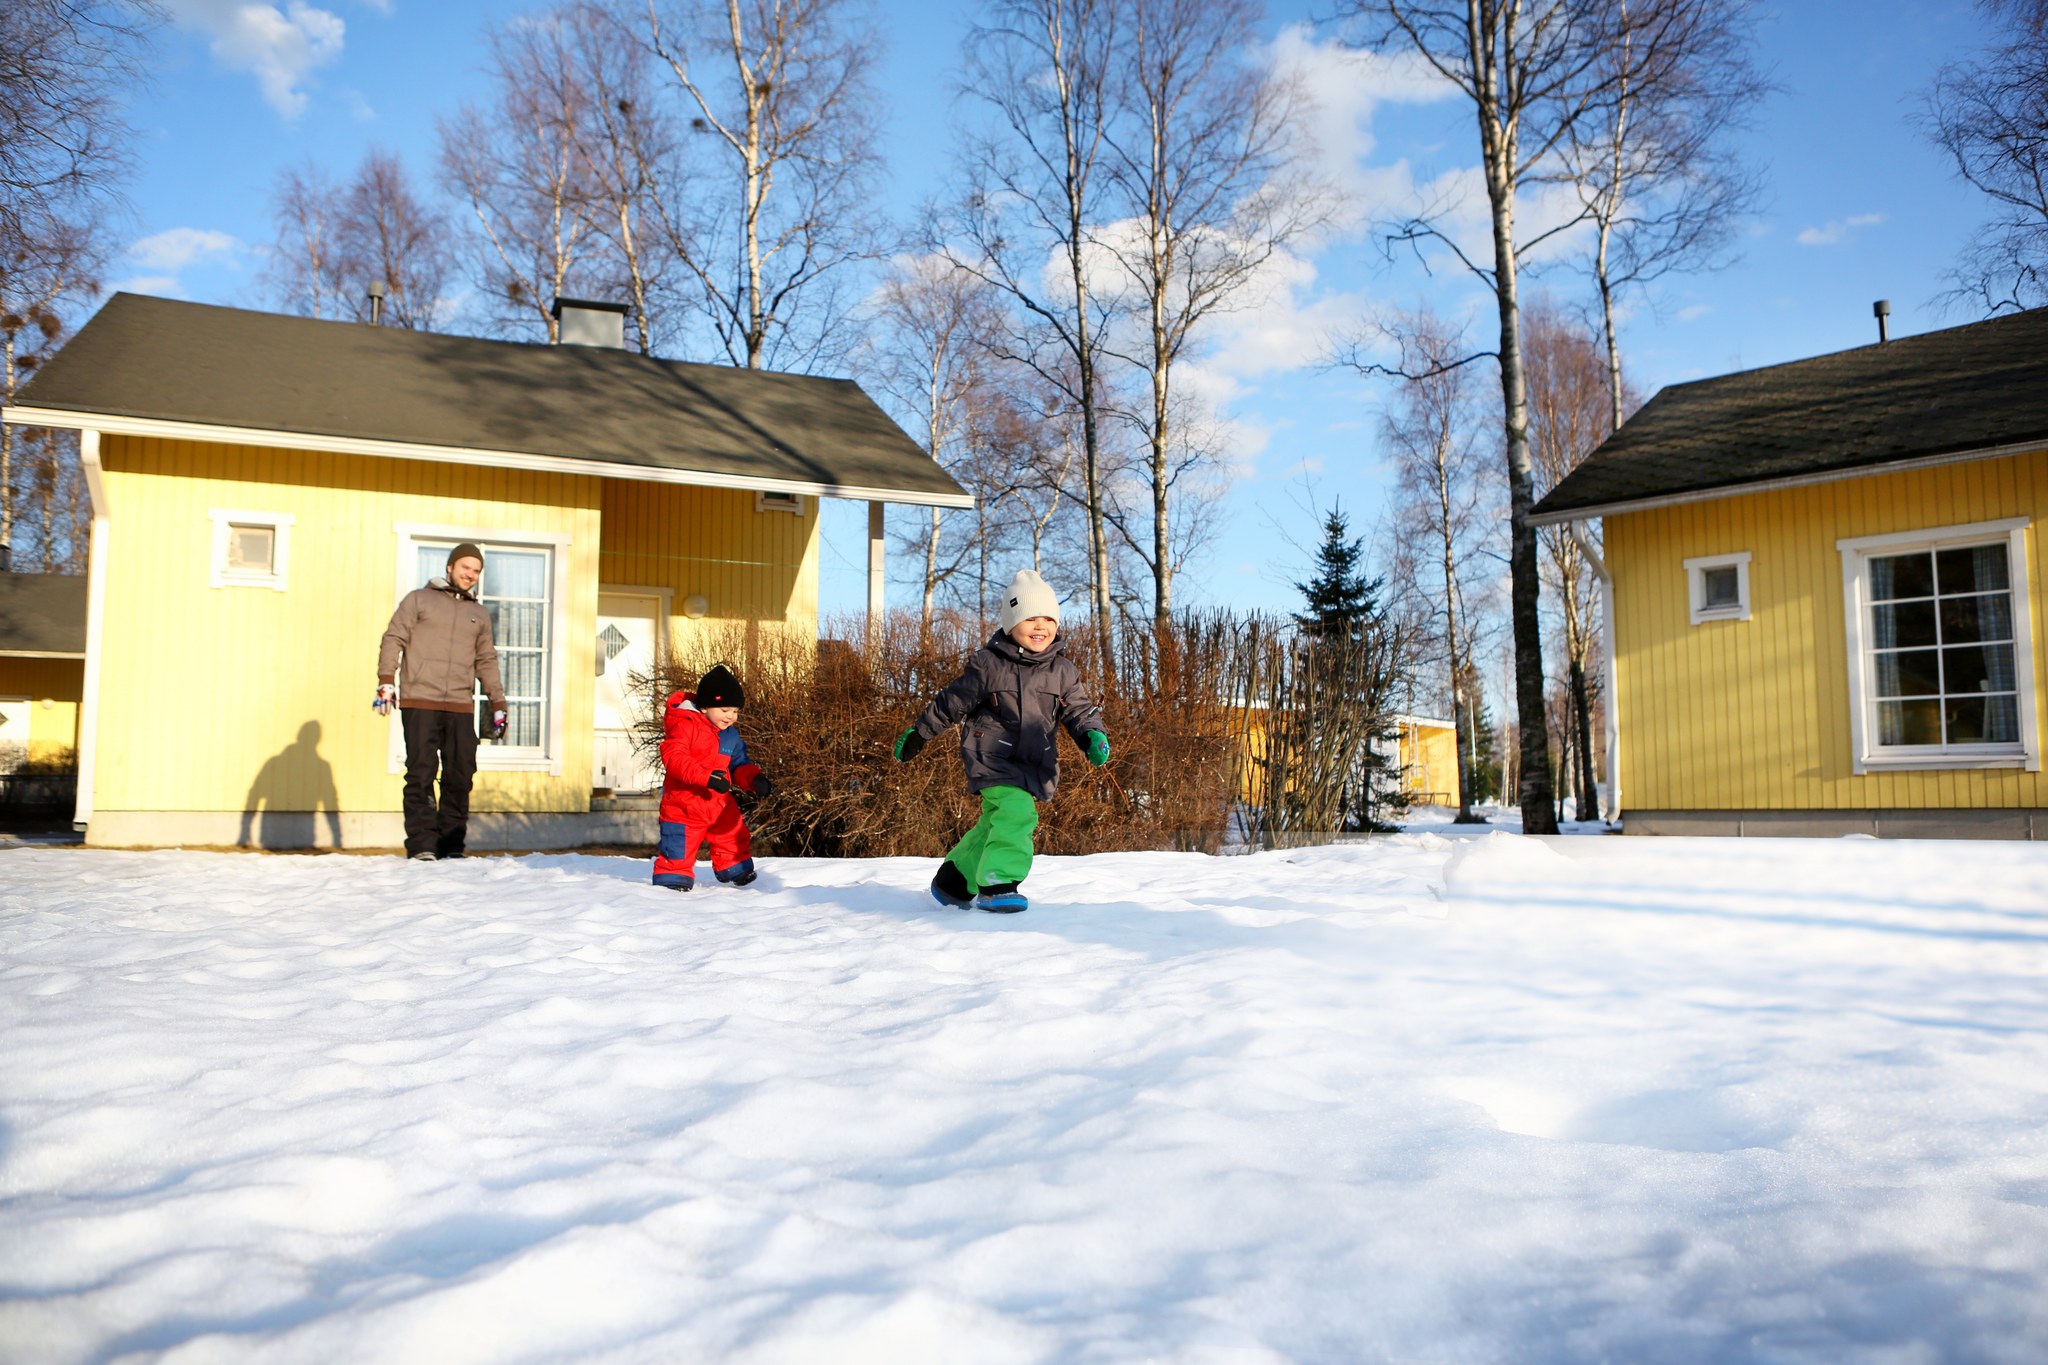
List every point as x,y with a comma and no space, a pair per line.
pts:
1003,898
949,887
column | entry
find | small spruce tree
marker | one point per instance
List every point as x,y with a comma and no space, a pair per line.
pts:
1354,660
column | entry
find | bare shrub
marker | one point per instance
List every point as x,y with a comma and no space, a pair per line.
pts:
1205,713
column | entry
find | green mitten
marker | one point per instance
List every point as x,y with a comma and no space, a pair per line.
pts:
907,745
1098,748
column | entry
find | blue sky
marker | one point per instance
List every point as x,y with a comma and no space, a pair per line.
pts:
1859,207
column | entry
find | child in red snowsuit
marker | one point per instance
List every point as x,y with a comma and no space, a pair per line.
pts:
705,761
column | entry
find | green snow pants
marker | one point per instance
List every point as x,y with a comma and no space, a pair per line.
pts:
997,850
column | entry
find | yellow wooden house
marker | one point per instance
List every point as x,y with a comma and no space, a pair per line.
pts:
1428,760
1824,594
265,488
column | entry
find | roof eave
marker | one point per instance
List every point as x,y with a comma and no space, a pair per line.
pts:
124,425
1561,515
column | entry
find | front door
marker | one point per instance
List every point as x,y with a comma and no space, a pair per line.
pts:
629,645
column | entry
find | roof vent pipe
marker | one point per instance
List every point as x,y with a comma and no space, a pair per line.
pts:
378,289
1882,311
587,322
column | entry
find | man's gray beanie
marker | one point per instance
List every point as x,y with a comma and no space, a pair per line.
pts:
1028,597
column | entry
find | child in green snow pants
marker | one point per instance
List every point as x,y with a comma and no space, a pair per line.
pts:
1011,701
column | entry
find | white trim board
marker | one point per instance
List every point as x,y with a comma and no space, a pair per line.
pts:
465,455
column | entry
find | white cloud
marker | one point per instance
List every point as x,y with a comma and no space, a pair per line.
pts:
179,247
1693,312
163,286
280,48
1836,231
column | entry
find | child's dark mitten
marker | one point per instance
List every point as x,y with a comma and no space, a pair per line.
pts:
718,781
908,744
762,786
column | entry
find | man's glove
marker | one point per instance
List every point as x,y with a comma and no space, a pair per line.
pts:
1098,748
387,697
718,781
497,730
908,744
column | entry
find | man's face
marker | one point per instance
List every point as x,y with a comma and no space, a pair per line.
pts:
464,572
722,716
1035,632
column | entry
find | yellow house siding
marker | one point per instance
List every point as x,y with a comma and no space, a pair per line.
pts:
53,687
755,567
232,698
1429,762
1755,714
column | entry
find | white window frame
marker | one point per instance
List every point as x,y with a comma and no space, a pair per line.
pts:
1696,587
1865,753
225,519
547,756
778,502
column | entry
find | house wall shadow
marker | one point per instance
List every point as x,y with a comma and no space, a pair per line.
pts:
291,791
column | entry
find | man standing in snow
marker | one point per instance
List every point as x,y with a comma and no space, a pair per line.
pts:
444,637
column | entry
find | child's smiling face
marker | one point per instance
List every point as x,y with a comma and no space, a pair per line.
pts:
1035,632
722,717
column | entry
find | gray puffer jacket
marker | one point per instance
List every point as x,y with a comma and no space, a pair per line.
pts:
1010,704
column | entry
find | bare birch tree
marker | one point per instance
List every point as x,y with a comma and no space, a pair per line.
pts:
1035,189
1990,115
1569,417
1531,71
334,241
777,93
1652,162
520,169
65,66
935,327
632,157
1431,436
40,281
1200,161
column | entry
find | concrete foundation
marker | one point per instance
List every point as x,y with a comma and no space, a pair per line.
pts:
2007,823
625,822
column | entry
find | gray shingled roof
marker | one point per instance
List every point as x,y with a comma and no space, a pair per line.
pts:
1968,388
42,614
625,413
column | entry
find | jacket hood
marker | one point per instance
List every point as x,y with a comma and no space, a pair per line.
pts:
1001,643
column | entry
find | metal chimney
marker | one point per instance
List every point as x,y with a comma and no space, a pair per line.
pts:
587,322
1882,311
378,289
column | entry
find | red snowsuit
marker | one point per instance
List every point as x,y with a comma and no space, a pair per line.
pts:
691,812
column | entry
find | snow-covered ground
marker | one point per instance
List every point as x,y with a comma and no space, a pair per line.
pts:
1414,1100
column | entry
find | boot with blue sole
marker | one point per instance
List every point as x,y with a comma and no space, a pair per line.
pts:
1003,898
949,887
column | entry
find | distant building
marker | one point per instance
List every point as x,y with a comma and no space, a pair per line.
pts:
42,677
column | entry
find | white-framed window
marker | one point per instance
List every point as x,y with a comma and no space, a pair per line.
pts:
251,549
1717,586
1941,666
524,589
779,502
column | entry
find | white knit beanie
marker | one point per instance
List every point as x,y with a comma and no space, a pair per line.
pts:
1028,597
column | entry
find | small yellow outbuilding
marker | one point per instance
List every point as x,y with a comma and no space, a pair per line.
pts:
266,487
1824,591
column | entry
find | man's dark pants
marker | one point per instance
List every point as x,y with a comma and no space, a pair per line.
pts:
443,741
